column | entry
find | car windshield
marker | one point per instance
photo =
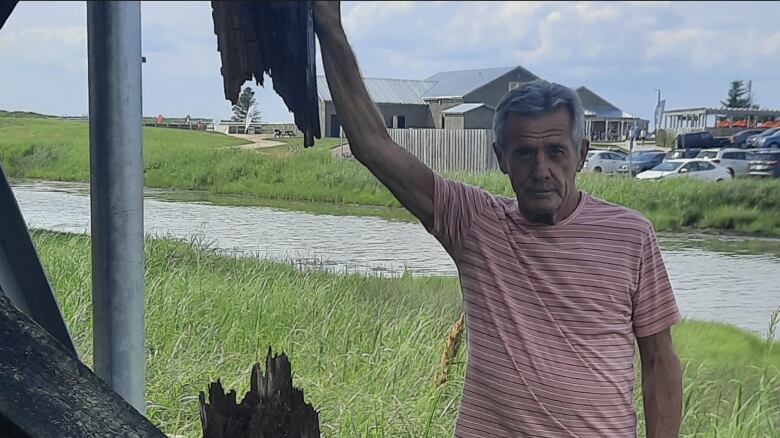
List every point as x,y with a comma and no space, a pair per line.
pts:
707,154
769,132
642,156
668,166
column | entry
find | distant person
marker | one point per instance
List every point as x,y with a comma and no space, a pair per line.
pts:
557,285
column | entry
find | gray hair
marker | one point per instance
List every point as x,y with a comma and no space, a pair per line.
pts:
539,97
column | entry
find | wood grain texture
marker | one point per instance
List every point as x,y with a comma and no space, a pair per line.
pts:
274,38
45,392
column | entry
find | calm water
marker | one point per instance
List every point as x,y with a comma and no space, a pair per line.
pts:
725,284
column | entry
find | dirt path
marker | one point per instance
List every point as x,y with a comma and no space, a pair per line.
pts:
257,141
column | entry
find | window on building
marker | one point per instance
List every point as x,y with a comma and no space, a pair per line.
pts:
399,122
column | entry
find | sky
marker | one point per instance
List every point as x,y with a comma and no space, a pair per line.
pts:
622,51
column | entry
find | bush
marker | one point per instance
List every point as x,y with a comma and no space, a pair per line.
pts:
665,139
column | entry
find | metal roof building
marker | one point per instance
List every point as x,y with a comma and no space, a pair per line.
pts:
472,95
391,91
457,84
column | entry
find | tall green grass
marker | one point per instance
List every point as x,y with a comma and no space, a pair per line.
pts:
365,350
205,162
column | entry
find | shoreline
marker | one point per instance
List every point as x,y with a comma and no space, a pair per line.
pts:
396,214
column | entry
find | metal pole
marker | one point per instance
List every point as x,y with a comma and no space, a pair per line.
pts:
116,190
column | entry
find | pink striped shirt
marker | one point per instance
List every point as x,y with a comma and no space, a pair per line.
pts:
552,313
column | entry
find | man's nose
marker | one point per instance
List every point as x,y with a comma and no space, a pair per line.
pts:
541,167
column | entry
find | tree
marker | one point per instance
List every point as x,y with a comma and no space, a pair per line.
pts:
737,97
245,107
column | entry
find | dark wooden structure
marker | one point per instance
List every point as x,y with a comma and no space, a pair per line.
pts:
46,392
275,38
6,7
272,408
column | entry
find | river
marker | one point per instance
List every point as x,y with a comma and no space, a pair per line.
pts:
731,282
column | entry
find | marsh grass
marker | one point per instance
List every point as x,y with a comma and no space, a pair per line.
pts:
365,350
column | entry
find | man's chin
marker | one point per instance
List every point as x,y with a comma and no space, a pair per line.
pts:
539,209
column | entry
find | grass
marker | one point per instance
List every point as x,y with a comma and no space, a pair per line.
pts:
364,349
206,164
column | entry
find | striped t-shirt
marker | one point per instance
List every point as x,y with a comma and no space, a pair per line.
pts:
552,313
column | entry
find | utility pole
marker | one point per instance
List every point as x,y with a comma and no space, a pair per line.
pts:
116,191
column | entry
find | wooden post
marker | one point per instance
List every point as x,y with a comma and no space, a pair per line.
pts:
272,408
46,392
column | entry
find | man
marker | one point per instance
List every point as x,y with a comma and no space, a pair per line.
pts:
557,285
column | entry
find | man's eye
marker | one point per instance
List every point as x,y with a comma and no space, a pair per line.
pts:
556,152
522,153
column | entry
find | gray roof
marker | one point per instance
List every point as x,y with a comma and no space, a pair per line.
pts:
464,108
402,91
459,83
595,105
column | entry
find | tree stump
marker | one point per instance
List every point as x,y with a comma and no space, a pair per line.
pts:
272,408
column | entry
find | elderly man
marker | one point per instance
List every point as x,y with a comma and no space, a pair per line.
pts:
557,284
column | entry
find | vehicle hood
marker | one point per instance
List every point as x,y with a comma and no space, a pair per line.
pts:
654,174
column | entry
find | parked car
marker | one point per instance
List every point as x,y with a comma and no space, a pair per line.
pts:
765,163
700,140
678,154
734,160
690,168
753,139
739,139
641,161
770,141
603,161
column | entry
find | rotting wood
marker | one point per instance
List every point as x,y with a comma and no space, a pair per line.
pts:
272,408
274,38
46,392
6,7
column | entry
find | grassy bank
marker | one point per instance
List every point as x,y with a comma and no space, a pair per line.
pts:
365,350
204,162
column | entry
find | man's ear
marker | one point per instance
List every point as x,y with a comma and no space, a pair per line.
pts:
584,147
500,157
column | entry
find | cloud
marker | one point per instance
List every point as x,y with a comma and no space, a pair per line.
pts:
46,47
622,50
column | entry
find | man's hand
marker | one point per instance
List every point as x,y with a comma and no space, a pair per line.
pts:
661,385
410,181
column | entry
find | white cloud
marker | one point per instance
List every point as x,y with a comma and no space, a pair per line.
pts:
56,47
597,12
366,15
620,49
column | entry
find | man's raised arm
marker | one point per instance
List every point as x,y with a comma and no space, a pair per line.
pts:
402,173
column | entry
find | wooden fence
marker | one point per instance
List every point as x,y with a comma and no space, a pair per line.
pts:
445,150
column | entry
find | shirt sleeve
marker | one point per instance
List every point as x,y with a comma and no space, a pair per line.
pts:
455,207
654,305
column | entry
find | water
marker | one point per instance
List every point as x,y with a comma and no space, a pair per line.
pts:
728,283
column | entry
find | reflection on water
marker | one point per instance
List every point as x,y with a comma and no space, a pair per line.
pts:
734,280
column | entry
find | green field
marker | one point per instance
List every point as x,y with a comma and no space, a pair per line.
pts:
364,349
207,167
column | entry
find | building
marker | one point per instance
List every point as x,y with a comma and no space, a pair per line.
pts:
603,120
466,99
721,121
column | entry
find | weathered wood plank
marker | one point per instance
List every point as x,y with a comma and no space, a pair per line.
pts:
46,392
6,7
274,38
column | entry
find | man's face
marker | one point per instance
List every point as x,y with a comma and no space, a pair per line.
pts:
541,163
